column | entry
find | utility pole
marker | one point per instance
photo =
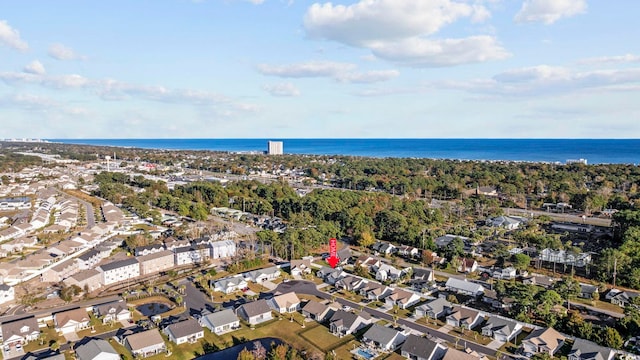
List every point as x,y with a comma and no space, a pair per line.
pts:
615,265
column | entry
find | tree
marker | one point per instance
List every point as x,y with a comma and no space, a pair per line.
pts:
521,261
278,352
612,338
246,355
366,239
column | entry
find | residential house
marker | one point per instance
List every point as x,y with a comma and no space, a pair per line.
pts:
408,251
262,275
223,249
255,312
464,317
506,222
71,320
60,271
467,265
230,284
156,262
369,262
505,273
90,279
384,247
444,241
350,283
188,255
542,341
402,298
316,311
343,323
374,291
491,297
187,331
329,275
587,291
455,354
587,350
387,272
420,348
285,303
19,331
119,271
383,338
148,249
540,280
7,293
112,312
623,298
344,255
501,329
146,343
96,349
422,274
300,267
464,287
220,322
88,260
434,309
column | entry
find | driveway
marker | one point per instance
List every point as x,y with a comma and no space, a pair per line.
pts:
72,336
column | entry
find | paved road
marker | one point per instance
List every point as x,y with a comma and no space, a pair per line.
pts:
307,287
91,220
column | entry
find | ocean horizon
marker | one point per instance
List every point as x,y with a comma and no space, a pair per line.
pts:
592,151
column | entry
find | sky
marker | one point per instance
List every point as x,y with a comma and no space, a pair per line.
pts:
318,69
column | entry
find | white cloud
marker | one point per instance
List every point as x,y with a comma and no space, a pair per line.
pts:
619,59
35,67
549,11
62,52
420,52
342,72
282,89
109,89
544,80
41,104
256,2
400,30
307,69
11,37
367,77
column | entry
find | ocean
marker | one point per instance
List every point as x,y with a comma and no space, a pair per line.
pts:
594,151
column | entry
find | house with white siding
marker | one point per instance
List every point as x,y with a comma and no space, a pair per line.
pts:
119,271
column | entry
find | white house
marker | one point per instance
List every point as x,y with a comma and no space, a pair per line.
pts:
220,322
119,271
96,349
70,321
230,284
145,343
255,312
383,338
7,293
187,331
402,298
262,275
285,303
223,249
464,287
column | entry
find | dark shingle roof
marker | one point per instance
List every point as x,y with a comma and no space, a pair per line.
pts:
256,307
118,264
185,328
419,346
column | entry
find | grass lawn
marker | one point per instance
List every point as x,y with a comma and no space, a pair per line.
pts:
600,305
471,336
402,313
257,288
47,335
375,304
435,324
320,336
99,327
343,352
393,356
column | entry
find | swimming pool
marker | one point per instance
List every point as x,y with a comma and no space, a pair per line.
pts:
365,354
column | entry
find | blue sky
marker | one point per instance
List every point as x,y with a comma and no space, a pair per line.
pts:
291,68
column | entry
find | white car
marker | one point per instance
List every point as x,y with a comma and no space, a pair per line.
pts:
346,308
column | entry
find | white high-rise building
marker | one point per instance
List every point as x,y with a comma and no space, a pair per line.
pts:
275,148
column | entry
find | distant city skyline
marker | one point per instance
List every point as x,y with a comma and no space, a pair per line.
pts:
342,69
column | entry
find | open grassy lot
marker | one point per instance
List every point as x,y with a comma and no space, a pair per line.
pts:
320,337
471,336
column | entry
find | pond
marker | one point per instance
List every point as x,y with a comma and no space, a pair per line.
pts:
153,308
232,352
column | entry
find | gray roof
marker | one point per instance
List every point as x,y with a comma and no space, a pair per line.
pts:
229,281
269,270
88,255
495,323
222,317
13,327
314,307
256,307
118,264
85,274
419,346
185,328
144,339
380,334
586,350
588,289
437,305
94,347
344,318
420,273
464,285
118,306
44,357
444,240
